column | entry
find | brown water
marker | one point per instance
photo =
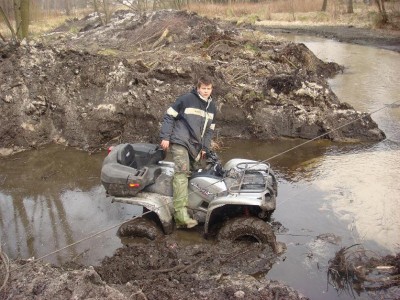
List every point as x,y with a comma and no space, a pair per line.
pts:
351,191
52,197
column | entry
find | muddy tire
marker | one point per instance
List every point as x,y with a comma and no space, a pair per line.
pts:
249,229
140,227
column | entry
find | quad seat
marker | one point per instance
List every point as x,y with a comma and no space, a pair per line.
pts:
130,168
126,156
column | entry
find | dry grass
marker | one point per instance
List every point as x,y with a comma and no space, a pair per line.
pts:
281,12
42,22
305,12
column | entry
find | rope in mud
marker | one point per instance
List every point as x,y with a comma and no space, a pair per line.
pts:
326,133
309,141
329,132
141,215
80,241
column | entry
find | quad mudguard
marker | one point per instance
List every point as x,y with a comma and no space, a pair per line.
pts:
256,200
160,204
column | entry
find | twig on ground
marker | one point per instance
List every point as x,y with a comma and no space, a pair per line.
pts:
194,263
6,262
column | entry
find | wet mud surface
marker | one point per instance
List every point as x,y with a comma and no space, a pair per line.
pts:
389,40
162,269
88,86
354,269
182,271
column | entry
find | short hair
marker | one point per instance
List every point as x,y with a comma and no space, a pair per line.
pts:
206,80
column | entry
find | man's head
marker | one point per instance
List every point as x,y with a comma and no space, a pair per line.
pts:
204,87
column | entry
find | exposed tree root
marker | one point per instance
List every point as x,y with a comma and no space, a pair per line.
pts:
356,269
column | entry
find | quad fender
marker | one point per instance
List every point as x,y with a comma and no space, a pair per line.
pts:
232,199
161,205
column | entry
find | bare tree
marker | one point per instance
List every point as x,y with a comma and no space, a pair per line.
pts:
20,10
324,5
103,10
382,11
21,13
107,11
8,23
7,7
68,7
350,7
140,5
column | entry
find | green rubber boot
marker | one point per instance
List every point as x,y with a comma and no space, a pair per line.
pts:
180,187
183,220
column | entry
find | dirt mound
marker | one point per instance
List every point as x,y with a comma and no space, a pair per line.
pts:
165,269
129,32
113,83
170,258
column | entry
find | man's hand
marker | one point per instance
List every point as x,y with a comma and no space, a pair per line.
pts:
165,145
203,154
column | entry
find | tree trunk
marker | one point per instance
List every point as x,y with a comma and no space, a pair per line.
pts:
382,11
107,14
350,7
324,5
17,16
8,23
97,10
67,6
25,18
21,11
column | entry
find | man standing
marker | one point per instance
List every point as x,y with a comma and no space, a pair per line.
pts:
187,129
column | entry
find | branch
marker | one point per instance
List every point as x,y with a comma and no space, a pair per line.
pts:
161,38
13,35
6,263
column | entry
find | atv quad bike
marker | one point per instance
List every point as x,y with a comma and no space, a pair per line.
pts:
234,201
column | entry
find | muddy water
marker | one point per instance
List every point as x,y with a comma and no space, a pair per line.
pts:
330,195
350,191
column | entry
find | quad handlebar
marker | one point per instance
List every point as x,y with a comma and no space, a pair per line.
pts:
214,163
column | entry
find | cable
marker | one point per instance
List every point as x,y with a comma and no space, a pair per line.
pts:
328,132
317,137
82,240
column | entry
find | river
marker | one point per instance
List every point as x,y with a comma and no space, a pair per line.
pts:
51,197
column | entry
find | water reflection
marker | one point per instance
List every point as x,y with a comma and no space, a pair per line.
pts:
354,189
50,198
364,188
293,160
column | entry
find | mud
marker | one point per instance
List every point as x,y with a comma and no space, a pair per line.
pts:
89,86
162,269
385,39
355,270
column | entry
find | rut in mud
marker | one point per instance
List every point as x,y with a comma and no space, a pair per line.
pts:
161,269
177,270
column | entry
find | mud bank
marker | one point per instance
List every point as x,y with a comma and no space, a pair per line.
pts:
389,40
113,83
